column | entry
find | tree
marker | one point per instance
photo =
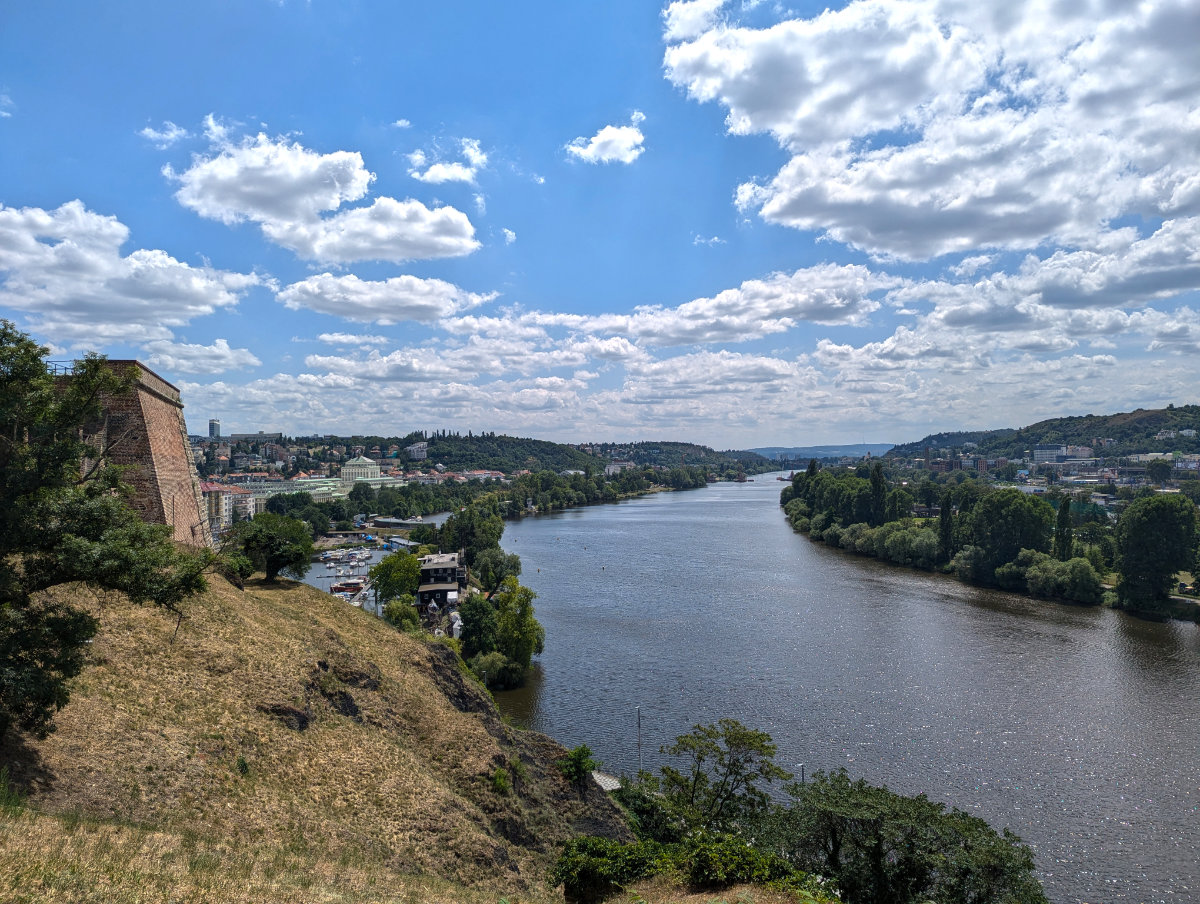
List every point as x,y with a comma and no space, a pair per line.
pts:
577,767
472,530
64,518
1159,470
401,612
494,565
878,496
1155,539
724,766
277,544
518,634
886,848
478,626
1064,541
946,546
397,574
1006,521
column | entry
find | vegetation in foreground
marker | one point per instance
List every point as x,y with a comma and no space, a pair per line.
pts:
709,823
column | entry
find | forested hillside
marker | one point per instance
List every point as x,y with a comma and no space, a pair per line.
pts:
1130,432
675,454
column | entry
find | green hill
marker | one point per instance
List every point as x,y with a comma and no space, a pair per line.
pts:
1125,433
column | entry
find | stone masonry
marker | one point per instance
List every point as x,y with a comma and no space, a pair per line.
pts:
145,432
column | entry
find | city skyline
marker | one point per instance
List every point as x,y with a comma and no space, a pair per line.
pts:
734,223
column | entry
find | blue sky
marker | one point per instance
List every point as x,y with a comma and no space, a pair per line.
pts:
737,223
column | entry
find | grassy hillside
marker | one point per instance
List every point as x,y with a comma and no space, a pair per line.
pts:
282,746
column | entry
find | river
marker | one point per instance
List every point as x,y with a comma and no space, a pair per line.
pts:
1077,728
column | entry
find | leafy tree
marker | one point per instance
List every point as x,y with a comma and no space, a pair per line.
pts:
1159,470
277,544
518,634
1064,542
886,848
946,546
400,612
399,573
494,565
473,530
478,626
1155,538
362,495
64,519
1006,521
724,765
878,496
289,503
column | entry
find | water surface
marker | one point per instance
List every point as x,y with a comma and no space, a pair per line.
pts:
1077,728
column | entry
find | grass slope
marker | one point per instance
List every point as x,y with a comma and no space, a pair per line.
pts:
282,746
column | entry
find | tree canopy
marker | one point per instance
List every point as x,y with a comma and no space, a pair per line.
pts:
1156,536
276,544
64,519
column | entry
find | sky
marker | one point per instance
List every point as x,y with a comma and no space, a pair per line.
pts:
737,223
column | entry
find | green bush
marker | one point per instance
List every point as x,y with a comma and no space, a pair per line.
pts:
590,869
650,815
401,614
500,782
578,765
719,860
497,671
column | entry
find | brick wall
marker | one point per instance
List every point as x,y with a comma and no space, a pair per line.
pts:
145,432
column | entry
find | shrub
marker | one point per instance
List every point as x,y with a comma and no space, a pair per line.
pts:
400,613
497,671
650,815
578,765
500,782
590,869
716,860
833,535
970,564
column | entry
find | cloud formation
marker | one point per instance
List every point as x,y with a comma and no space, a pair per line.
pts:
438,171
612,144
384,302
288,190
934,127
65,267
200,359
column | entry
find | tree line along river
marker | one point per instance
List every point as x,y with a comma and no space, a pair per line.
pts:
1075,727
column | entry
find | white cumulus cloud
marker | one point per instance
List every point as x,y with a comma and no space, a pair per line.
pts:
200,359
65,266
293,192
384,302
612,144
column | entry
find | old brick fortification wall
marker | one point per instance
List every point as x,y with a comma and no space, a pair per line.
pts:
146,433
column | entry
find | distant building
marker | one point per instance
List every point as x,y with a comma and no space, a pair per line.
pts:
359,468
616,467
214,428
417,451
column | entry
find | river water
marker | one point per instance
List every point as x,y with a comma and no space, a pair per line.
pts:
1077,728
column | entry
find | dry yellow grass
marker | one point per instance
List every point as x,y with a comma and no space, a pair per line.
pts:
283,746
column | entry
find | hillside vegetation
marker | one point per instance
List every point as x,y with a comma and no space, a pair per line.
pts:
282,746
1131,432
